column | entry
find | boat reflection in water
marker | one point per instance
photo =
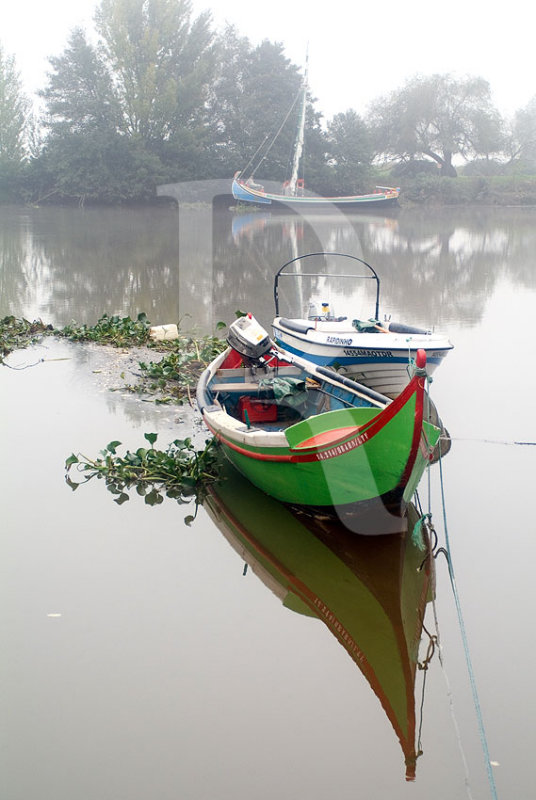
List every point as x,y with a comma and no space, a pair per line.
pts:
370,592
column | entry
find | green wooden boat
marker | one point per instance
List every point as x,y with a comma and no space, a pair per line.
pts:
370,593
311,437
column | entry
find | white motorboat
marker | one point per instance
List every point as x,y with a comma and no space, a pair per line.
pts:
378,354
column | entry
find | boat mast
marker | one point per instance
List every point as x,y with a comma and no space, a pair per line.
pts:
298,147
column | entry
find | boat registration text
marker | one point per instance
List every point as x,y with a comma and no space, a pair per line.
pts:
354,351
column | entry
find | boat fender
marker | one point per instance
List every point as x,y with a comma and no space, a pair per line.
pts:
420,361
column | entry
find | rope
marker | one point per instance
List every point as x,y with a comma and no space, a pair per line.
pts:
472,680
495,441
25,366
447,552
451,705
433,551
423,665
256,167
259,148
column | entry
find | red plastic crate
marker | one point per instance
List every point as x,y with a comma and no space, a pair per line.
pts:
257,410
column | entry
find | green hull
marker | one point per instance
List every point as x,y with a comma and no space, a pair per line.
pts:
385,459
309,436
368,592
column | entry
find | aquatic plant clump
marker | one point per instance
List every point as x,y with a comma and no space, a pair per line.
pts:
115,330
180,472
177,372
171,379
17,333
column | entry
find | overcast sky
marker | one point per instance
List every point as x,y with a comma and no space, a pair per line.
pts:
357,51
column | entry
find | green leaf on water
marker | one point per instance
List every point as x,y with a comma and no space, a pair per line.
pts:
123,497
180,472
70,461
111,447
153,498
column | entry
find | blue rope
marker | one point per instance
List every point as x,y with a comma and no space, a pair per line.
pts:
472,680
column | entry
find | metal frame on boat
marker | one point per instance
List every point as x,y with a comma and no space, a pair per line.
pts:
378,354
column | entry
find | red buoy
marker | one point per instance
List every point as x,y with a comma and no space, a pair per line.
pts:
421,358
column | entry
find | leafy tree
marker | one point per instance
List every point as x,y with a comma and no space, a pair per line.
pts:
255,104
83,157
226,100
80,92
523,135
119,113
350,152
97,167
15,123
438,117
256,89
161,61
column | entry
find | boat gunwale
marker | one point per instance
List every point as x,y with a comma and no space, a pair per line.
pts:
442,341
359,436
263,196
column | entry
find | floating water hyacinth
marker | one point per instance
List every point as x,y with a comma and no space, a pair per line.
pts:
180,472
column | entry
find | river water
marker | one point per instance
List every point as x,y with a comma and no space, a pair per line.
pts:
140,658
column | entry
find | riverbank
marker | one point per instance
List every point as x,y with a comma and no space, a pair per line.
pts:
497,190
424,189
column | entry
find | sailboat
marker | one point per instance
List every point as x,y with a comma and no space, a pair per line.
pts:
293,193
371,593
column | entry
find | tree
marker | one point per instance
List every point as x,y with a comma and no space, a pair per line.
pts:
523,135
257,87
255,104
438,117
80,93
350,152
128,113
14,120
97,167
161,61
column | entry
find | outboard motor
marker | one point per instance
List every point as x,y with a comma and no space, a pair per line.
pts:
249,338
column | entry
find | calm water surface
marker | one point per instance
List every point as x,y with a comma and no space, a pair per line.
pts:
139,661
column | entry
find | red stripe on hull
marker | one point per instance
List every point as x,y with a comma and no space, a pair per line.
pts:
362,434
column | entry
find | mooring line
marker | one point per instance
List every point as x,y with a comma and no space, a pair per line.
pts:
472,680
493,441
451,705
